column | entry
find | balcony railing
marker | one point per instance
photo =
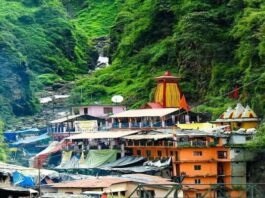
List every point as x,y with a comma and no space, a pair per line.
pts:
170,143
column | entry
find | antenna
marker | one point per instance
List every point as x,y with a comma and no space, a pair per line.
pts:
117,99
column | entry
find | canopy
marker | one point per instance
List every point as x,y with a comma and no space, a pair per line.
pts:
11,136
124,161
149,136
96,158
22,180
41,157
72,163
26,131
137,113
64,119
101,135
137,169
205,125
31,140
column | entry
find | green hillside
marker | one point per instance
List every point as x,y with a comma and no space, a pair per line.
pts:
42,42
213,45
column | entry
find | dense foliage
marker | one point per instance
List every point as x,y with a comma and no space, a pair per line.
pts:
213,45
3,148
42,42
259,139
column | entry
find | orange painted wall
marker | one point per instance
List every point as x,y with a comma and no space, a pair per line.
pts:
192,194
186,161
209,153
204,180
206,169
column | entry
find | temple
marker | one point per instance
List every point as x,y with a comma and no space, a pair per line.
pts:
168,108
239,117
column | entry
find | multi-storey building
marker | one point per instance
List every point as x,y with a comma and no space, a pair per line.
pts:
200,160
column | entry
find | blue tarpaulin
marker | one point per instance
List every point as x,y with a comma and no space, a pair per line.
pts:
22,180
31,140
11,136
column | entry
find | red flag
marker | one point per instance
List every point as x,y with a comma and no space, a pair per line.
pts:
235,93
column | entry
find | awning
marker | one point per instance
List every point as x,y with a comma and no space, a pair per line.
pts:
10,136
153,137
64,119
137,169
137,113
101,135
96,158
205,125
24,131
123,162
31,140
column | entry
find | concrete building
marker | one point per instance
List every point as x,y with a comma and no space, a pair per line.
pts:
101,111
124,186
200,160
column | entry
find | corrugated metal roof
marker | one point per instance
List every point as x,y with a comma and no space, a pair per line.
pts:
102,182
152,136
147,179
102,135
64,119
136,113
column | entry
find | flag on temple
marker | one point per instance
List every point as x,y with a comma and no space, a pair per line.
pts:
183,103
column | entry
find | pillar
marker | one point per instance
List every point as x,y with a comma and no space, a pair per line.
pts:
122,150
173,119
130,123
119,120
151,122
163,122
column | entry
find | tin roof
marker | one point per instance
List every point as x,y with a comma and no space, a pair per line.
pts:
137,113
101,135
101,182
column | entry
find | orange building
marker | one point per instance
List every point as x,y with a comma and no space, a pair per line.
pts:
200,161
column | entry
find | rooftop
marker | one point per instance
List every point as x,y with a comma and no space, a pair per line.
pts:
147,179
101,182
107,181
102,135
73,117
137,113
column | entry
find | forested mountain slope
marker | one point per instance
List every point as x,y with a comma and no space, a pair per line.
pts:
46,41
213,45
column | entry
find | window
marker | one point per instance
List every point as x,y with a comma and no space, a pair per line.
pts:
159,153
222,154
148,153
197,153
197,167
197,181
108,110
139,153
146,193
198,195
